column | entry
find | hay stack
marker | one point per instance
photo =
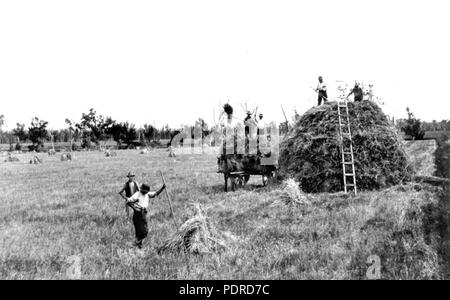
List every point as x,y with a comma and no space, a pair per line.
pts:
11,158
51,152
35,160
66,157
110,153
310,153
196,236
292,194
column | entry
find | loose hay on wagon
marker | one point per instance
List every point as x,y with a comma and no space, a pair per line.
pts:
237,162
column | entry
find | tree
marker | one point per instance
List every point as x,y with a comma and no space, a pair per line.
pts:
122,133
130,133
37,133
413,127
94,127
20,132
149,132
2,122
117,133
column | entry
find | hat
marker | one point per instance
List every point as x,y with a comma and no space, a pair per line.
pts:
260,114
144,188
130,174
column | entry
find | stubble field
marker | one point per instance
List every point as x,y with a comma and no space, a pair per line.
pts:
61,220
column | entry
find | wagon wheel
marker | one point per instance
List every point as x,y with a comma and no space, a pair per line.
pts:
246,178
233,183
225,177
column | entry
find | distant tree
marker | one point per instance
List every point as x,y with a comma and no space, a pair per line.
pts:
37,132
20,133
413,127
149,132
130,133
94,127
2,122
122,133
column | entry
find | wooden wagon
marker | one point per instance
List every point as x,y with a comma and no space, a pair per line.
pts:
238,168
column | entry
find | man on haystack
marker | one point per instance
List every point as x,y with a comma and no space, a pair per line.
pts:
322,91
357,92
139,203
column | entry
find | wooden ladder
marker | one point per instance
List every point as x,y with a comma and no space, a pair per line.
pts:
348,160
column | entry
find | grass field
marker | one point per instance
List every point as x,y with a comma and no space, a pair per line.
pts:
58,212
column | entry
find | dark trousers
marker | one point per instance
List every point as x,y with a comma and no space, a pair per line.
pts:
140,225
322,96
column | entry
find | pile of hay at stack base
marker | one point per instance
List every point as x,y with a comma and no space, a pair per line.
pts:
311,152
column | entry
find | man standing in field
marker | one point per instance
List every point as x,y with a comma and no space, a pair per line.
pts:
322,90
139,203
129,188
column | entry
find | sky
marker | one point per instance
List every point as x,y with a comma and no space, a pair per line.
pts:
171,62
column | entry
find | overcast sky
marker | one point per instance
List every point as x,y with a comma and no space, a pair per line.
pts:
174,61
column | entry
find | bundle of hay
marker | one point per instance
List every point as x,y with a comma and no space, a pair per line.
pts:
110,153
292,194
35,160
51,152
66,157
171,152
196,236
311,153
11,158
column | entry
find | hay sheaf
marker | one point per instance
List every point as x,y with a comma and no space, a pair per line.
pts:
310,153
196,236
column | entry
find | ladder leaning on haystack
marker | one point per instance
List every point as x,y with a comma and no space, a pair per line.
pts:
346,146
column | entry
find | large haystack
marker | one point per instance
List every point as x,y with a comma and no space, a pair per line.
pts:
310,153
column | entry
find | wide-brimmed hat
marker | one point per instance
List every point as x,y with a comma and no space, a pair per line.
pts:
130,174
144,188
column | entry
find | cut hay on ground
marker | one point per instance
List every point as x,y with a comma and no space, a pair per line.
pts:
196,236
311,154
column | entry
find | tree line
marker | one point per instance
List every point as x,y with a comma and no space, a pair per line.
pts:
91,130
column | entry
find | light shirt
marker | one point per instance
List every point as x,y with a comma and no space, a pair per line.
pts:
142,200
322,87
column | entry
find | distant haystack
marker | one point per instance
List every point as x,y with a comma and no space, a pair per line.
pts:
110,153
35,160
311,152
51,152
144,151
196,236
66,157
11,158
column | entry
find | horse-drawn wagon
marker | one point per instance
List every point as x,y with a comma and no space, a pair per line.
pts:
239,167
